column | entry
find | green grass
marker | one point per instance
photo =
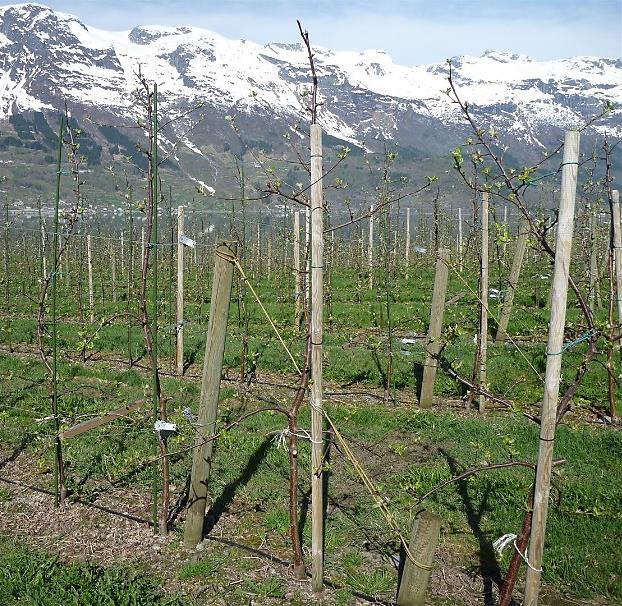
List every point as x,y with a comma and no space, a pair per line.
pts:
36,579
407,451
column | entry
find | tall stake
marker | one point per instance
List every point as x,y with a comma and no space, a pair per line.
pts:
553,365
179,319
89,263
407,249
59,473
113,267
617,251
298,292
317,415
157,412
508,298
370,248
483,324
460,246
594,296
7,284
150,321
130,279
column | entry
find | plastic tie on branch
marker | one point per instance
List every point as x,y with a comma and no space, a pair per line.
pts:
586,336
531,180
280,439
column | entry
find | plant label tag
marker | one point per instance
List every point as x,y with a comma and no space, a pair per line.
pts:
186,241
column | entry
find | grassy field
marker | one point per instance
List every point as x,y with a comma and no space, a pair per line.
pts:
406,451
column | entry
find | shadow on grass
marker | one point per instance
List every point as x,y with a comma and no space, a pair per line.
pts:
191,356
103,508
418,377
257,552
16,451
489,567
223,502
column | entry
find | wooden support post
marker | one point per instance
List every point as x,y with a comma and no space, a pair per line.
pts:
407,247
67,271
113,267
317,331
460,245
617,253
44,252
433,345
505,228
269,256
179,312
416,576
142,244
210,391
553,365
508,297
307,275
122,254
594,296
298,292
483,324
89,263
370,248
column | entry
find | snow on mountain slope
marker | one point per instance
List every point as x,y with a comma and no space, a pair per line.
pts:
47,56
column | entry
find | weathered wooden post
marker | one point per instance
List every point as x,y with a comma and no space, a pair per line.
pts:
508,297
44,275
122,254
617,252
553,365
179,310
89,263
317,331
298,292
210,390
505,228
416,576
269,255
460,245
142,244
483,324
433,344
407,248
66,261
594,296
370,247
307,256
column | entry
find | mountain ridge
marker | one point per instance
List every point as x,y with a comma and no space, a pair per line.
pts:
48,57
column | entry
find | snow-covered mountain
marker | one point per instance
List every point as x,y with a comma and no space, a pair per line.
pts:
47,58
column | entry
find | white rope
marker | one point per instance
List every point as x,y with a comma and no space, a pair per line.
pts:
502,542
280,439
524,557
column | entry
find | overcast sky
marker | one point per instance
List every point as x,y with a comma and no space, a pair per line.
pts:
411,31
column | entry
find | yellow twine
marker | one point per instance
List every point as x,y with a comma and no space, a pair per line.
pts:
232,258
